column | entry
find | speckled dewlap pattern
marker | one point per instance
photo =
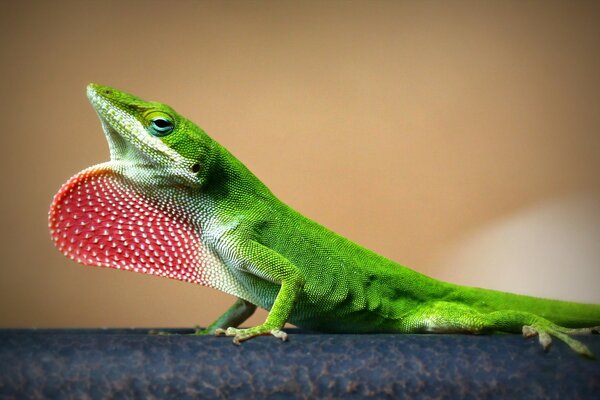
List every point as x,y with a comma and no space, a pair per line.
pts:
97,219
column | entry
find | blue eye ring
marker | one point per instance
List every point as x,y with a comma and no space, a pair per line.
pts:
161,126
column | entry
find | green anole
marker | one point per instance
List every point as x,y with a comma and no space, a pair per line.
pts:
173,202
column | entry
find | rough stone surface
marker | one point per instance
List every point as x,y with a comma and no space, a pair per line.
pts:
129,363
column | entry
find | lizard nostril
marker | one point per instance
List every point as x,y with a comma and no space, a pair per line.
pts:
195,168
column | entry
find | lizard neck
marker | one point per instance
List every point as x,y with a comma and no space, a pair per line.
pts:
225,178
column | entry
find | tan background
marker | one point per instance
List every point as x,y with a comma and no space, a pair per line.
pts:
459,138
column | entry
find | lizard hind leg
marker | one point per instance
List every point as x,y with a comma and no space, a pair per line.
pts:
448,317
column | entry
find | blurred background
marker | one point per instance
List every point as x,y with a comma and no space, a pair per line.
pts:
460,138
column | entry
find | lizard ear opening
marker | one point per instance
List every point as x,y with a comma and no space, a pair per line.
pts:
196,168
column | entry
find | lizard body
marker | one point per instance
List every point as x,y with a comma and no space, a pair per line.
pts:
173,202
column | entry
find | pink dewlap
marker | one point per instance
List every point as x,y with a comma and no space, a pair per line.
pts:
97,219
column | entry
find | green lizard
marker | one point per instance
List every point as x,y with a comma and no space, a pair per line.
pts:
173,202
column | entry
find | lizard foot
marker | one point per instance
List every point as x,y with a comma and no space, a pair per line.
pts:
239,335
544,331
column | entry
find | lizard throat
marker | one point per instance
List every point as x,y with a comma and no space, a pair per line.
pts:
97,218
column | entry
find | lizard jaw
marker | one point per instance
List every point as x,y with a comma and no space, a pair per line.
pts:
124,133
129,141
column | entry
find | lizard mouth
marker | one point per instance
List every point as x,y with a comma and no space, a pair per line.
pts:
125,133
133,150
118,126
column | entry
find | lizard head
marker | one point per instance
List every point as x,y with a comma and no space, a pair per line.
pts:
149,141
139,211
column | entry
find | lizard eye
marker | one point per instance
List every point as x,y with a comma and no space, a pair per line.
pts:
161,126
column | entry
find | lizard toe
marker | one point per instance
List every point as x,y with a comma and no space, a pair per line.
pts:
242,334
546,331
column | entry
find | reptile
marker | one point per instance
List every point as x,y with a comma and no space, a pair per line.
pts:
173,202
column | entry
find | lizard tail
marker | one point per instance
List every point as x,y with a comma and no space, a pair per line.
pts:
564,313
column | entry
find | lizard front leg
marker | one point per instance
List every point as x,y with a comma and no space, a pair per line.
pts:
271,266
240,311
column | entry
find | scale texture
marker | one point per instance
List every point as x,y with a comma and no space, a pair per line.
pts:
173,202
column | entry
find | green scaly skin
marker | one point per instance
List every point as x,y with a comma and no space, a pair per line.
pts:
266,254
